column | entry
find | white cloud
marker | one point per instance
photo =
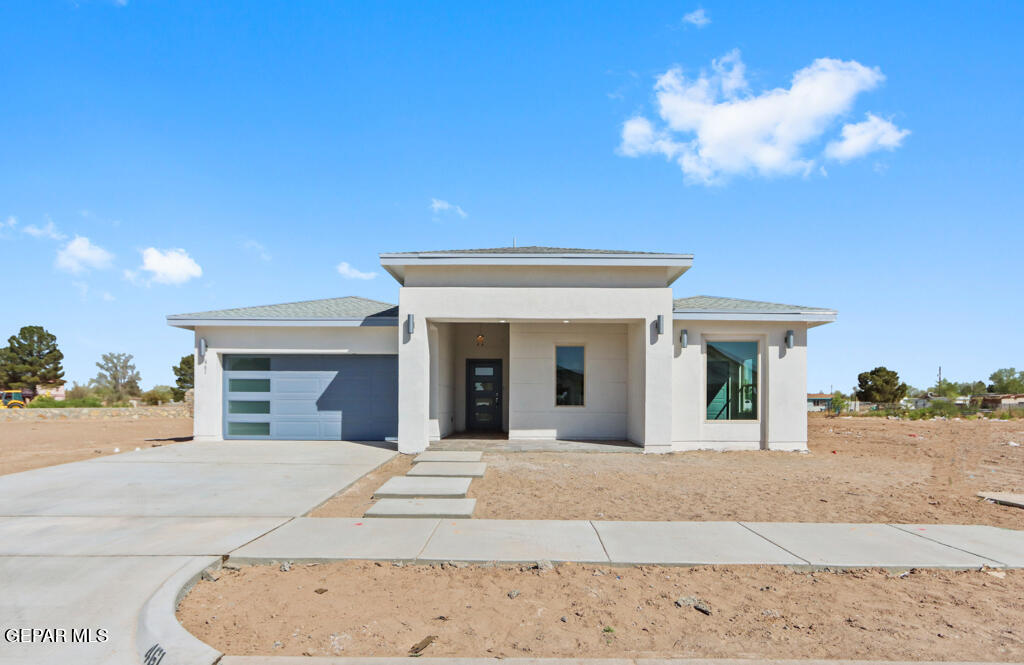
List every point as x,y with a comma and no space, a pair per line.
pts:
80,255
48,231
166,266
859,139
437,205
714,127
108,297
345,270
11,222
257,249
697,17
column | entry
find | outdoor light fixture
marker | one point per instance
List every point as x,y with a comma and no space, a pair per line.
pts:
480,340
682,338
202,348
410,323
789,339
661,324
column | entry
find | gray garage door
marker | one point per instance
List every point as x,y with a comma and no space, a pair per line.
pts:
324,397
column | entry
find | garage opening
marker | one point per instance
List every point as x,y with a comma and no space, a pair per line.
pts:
311,397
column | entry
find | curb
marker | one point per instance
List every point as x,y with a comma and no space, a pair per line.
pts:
159,638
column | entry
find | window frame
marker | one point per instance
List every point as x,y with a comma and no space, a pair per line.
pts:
711,339
554,362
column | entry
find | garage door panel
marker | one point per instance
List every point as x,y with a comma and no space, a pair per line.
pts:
314,397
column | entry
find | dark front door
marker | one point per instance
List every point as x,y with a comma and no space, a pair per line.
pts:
483,395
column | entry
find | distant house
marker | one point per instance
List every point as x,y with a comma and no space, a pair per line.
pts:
819,402
54,392
1002,401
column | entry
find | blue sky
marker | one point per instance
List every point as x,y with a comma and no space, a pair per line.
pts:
264,144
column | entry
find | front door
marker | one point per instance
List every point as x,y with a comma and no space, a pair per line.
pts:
483,395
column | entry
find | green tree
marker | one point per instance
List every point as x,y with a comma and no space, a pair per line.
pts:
839,402
185,373
157,395
1007,380
946,388
31,358
971,387
118,379
880,386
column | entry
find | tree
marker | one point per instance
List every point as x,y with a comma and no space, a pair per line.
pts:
1007,380
118,378
839,402
971,387
157,395
31,359
946,388
185,371
880,386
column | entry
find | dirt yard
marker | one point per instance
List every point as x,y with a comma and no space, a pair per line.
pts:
858,470
30,445
372,609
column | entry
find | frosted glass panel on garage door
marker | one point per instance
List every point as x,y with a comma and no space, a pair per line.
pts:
317,397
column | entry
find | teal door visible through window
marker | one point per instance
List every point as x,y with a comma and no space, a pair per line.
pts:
312,397
732,381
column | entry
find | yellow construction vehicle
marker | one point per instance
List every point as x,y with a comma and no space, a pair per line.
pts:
11,399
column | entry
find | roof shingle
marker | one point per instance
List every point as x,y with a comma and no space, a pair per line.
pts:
349,307
531,249
729,305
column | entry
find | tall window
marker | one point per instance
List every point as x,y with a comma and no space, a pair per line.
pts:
732,381
568,376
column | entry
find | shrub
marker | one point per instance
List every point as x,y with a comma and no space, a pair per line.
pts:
50,403
157,395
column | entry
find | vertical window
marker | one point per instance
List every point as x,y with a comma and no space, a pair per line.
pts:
732,381
569,376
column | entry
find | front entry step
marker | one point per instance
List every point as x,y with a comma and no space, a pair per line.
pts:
448,456
448,469
408,487
440,508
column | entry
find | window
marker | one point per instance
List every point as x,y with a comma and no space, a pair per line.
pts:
569,376
249,385
249,429
235,406
732,381
242,364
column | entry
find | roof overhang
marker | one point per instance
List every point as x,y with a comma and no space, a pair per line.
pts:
811,319
674,264
192,324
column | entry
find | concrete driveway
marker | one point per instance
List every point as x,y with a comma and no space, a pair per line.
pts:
84,545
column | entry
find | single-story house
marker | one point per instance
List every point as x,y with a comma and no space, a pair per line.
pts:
528,342
1007,401
817,402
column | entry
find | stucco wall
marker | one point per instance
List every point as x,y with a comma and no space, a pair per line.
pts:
220,340
536,276
532,410
782,405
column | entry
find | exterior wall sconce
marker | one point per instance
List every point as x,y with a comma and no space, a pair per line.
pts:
480,340
202,349
661,324
789,339
410,323
683,335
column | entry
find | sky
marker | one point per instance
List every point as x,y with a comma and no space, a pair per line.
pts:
168,157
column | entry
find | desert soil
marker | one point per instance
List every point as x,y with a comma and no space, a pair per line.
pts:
857,470
30,445
375,609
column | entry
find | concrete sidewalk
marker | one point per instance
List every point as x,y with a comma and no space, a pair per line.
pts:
804,545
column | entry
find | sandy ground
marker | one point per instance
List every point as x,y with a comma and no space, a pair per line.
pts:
30,445
373,609
880,471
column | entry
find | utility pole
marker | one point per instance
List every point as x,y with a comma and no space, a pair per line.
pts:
940,373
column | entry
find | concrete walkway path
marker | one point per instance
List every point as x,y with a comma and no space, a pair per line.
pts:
87,544
630,543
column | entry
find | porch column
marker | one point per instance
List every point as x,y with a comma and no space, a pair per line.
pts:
413,382
657,385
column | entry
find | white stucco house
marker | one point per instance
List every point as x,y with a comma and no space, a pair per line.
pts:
535,342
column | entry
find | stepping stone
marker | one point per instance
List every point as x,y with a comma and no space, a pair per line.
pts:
449,456
442,508
1005,498
405,487
448,469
